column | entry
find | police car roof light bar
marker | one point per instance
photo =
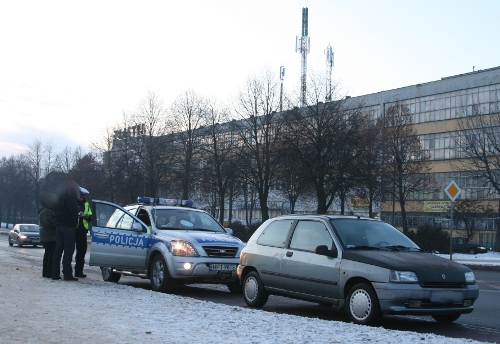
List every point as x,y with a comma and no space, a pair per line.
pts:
166,201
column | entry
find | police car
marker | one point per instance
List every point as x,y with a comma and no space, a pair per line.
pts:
165,241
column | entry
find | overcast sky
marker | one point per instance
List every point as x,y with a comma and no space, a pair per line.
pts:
69,69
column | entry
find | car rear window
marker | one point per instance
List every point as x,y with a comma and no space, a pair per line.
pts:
275,233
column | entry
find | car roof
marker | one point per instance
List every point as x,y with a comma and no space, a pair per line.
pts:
324,216
159,206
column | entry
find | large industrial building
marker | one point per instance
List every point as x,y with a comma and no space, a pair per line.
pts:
436,107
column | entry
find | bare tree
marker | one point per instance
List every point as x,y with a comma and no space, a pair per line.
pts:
187,120
259,130
407,163
218,152
470,213
150,132
479,145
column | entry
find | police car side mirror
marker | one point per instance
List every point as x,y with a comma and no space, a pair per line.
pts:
137,227
229,231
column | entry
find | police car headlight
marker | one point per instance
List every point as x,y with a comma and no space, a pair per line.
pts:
22,236
183,249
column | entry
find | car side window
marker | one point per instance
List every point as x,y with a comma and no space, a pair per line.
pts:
310,234
275,233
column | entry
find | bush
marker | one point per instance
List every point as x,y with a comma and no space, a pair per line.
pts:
241,231
431,238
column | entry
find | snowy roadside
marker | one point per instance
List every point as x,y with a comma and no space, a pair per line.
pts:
39,310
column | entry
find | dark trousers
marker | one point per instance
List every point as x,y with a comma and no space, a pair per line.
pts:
49,247
65,242
81,249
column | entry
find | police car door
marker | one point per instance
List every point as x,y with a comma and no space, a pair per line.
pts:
119,239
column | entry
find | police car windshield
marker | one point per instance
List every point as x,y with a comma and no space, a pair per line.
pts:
174,219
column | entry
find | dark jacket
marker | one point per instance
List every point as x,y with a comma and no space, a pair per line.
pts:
47,221
66,208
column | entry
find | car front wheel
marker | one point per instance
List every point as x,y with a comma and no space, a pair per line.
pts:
446,318
109,276
253,290
19,244
160,279
362,305
10,242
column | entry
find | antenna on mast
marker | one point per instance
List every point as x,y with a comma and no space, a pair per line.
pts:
329,65
302,46
282,77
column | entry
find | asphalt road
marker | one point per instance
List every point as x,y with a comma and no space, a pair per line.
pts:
481,325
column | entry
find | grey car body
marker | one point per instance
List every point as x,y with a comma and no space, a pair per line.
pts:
129,241
364,266
25,234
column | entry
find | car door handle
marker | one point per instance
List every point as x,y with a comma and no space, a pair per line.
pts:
289,254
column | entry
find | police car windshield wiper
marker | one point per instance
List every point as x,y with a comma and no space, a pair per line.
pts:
401,247
203,229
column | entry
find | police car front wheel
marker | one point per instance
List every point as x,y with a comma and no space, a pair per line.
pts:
160,279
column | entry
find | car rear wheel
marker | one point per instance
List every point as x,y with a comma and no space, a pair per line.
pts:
253,290
160,279
446,318
362,305
10,242
109,276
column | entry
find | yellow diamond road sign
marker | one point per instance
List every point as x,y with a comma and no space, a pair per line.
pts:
452,190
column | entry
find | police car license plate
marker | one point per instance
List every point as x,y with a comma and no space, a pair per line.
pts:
222,267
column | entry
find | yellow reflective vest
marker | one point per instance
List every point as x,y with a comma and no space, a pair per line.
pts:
86,211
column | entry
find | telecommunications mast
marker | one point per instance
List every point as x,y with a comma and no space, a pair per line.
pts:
282,77
302,45
329,65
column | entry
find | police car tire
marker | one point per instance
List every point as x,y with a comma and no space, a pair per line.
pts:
19,244
235,287
109,276
11,243
160,279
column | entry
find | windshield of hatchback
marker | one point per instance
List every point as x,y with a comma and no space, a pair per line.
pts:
362,233
168,219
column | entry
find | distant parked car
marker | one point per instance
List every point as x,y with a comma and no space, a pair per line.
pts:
471,247
25,234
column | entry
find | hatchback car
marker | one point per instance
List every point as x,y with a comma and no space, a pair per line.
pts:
364,266
25,234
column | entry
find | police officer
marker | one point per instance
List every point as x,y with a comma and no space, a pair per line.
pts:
84,219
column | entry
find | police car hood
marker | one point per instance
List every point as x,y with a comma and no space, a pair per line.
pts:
427,266
201,237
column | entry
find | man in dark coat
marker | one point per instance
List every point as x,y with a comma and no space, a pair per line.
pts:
66,211
47,221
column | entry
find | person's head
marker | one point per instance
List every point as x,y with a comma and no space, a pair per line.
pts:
83,192
161,221
70,187
48,199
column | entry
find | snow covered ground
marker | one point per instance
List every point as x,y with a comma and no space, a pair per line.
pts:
39,310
